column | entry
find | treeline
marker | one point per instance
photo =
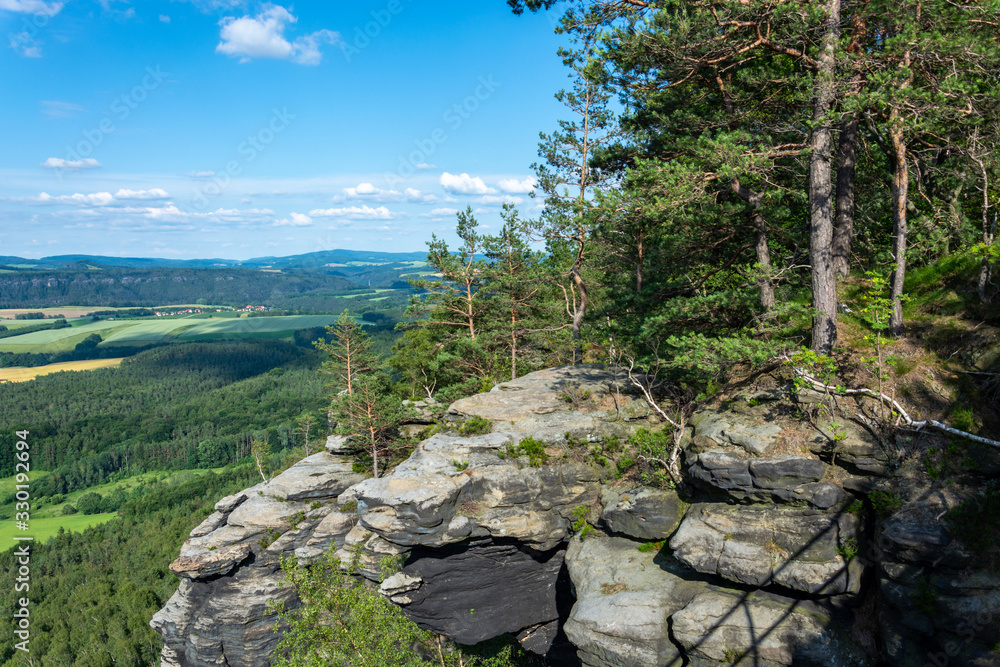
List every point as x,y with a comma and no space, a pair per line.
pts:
17,331
181,406
119,287
93,593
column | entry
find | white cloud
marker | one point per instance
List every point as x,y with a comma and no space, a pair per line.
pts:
154,193
58,109
32,7
369,191
164,18
512,186
442,212
417,197
216,5
424,165
294,220
465,184
25,45
200,174
502,199
95,199
353,213
117,13
263,36
71,165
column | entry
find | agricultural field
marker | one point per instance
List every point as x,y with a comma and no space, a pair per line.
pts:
18,374
43,529
145,331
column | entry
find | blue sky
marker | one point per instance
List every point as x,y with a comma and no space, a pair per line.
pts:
230,128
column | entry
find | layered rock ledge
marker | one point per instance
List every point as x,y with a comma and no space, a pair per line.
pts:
768,554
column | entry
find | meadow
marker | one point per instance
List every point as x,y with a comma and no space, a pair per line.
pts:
144,331
19,374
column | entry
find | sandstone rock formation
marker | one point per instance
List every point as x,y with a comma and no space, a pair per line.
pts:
768,555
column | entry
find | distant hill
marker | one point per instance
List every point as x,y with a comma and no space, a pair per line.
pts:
87,284
314,261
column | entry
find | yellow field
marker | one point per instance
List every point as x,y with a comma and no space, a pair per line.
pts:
21,374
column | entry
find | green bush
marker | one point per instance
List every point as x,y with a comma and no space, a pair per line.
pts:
475,426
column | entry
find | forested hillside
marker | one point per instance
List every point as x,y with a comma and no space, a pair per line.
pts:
185,406
93,593
88,285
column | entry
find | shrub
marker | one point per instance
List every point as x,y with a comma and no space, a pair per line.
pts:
475,426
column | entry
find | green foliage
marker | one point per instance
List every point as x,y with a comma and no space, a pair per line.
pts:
885,503
649,547
475,425
183,406
460,465
574,395
533,449
343,622
848,549
349,507
976,522
68,510
89,504
116,572
580,515
963,419
814,364
925,597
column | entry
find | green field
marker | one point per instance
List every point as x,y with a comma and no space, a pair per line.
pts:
144,331
54,511
43,529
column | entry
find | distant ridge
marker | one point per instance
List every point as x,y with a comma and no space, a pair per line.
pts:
308,261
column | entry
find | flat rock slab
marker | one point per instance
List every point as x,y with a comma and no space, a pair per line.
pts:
760,546
210,563
321,475
623,600
734,429
265,512
474,593
786,479
645,514
752,629
535,405
428,501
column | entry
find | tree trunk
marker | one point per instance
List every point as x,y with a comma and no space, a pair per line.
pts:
824,285
581,308
755,199
764,259
900,187
844,224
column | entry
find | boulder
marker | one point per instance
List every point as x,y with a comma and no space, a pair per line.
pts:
222,621
737,430
760,546
758,629
321,475
476,591
624,598
785,479
428,501
645,514
210,563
